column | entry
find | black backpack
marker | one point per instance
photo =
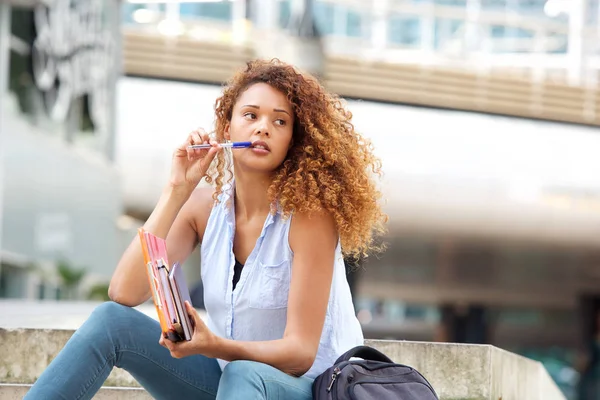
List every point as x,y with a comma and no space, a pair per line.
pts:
374,377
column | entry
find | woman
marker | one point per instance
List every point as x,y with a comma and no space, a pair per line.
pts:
272,234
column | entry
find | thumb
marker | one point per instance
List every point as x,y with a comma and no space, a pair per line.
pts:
193,313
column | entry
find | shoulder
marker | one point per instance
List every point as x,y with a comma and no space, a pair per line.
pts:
198,208
308,230
202,196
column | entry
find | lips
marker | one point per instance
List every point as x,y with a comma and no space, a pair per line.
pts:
259,144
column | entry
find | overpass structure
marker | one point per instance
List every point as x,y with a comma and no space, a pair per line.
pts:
539,64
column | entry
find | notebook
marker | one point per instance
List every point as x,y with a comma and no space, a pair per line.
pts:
168,287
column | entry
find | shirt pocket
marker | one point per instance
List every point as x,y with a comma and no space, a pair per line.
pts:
273,286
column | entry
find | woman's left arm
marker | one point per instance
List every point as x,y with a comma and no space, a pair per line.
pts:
313,239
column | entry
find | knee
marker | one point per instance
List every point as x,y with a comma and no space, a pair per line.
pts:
111,309
242,379
243,373
111,313
242,368
104,320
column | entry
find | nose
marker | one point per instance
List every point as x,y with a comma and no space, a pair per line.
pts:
262,130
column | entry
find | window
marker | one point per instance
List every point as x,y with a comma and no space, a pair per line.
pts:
324,17
284,13
13,281
493,4
404,31
354,27
446,31
451,2
219,11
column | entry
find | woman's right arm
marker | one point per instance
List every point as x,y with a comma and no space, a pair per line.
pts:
171,219
178,216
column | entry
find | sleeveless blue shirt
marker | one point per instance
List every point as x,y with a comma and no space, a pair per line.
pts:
257,309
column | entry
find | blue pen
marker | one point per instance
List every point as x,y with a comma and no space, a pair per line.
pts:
231,145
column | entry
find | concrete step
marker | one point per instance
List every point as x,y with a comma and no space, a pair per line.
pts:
473,372
15,391
456,371
27,352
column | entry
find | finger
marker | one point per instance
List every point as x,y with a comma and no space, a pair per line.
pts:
173,351
179,349
207,138
182,149
212,152
204,156
194,138
182,347
197,138
186,147
179,352
171,346
167,344
202,164
204,135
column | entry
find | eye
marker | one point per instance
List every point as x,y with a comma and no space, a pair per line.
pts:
250,115
280,122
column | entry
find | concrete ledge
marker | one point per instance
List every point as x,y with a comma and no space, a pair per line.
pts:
27,352
32,334
457,372
473,372
17,392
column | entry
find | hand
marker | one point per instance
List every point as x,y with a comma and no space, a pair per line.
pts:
189,166
203,340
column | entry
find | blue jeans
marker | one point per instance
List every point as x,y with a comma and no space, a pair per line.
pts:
120,336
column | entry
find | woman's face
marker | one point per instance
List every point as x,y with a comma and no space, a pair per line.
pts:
262,115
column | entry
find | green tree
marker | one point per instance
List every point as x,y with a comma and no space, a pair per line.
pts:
71,277
99,292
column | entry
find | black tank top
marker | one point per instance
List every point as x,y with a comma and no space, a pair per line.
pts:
237,271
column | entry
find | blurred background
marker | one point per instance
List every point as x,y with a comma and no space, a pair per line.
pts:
485,114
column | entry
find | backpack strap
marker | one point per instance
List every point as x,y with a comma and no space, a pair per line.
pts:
364,352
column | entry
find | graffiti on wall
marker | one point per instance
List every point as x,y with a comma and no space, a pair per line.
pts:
74,55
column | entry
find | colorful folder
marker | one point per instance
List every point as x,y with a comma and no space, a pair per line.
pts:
168,287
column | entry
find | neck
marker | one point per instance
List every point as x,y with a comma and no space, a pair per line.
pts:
251,195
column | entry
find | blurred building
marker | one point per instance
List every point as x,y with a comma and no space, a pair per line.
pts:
60,189
485,113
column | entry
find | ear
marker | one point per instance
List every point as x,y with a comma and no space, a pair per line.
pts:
226,132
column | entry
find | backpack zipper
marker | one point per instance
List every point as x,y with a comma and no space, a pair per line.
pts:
336,372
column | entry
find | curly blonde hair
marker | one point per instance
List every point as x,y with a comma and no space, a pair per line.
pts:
329,167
